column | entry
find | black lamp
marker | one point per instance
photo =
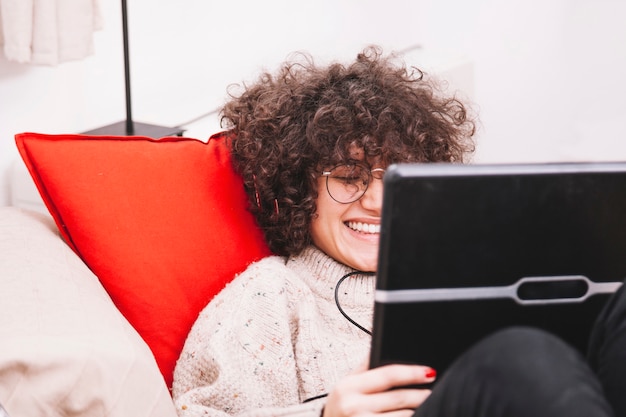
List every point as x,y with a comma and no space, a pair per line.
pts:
129,127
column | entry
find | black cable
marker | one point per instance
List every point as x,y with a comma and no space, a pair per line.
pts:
339,305
343,313
317,397
200,117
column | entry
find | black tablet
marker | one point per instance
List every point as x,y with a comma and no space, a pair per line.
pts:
468,249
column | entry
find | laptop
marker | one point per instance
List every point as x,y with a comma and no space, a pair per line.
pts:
466,250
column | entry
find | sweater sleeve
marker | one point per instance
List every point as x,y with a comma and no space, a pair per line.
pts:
239,356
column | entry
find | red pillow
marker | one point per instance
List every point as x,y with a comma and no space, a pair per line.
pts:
162,223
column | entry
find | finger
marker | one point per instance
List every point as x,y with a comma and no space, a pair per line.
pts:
399,413
401,399
341,403
391,376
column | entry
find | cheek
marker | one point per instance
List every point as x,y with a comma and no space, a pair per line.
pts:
320,229
326,224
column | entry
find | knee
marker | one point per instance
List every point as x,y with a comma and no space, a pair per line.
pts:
521,341
523,356
524,371
527,364
525,350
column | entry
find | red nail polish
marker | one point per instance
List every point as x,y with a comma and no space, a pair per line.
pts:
430,373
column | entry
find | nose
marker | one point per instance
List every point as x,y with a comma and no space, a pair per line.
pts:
372,200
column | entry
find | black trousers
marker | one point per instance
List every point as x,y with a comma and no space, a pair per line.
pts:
528,372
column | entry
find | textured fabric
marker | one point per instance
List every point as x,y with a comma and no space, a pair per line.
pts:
162,223
48,32
65,349
274,338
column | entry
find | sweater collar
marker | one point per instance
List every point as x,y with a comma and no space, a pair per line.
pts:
323,272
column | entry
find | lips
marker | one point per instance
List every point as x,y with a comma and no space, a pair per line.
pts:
364,227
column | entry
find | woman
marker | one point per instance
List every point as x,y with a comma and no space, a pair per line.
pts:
312,144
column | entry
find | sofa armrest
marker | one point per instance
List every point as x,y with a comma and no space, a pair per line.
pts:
65,349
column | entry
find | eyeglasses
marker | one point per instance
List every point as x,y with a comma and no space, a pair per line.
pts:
348,183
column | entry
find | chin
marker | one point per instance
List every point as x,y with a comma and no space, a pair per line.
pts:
367,266
369,269
362,256
366,261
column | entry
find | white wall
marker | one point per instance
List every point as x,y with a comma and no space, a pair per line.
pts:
547,76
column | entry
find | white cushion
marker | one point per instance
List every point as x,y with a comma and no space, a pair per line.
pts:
64,347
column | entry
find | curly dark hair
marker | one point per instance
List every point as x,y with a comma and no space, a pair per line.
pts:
289,126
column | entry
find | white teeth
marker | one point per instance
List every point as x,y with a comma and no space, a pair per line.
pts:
364,227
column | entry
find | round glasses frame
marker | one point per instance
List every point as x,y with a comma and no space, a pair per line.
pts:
347,183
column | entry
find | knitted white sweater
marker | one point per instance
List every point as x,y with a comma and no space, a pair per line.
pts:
274,338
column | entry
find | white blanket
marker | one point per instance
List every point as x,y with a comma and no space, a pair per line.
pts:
65,349
48,32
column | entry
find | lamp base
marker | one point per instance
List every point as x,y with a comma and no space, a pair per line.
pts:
139,129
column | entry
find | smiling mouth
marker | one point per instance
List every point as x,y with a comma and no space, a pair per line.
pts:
364,227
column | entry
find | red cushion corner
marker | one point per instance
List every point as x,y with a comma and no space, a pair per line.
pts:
163,223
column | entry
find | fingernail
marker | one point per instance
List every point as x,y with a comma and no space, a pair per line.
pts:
430,373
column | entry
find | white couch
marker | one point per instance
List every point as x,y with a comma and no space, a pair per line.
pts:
65,349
